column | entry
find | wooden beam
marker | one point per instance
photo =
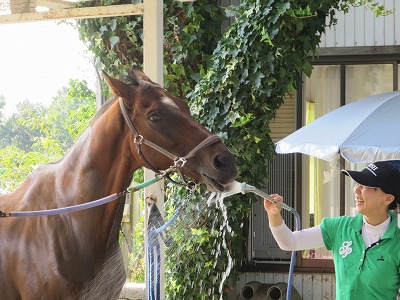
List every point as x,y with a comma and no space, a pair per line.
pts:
74,13
153,42
56,4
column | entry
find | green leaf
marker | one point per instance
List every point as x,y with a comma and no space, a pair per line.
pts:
307,69
113,41
113,24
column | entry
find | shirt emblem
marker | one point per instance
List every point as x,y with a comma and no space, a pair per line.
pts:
345,249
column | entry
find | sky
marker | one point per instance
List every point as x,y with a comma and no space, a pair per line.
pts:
37,59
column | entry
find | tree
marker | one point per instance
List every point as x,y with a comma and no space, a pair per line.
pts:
69,112
35,134
2,105
19,129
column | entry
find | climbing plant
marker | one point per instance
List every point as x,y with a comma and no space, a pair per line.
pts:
191,33
235,82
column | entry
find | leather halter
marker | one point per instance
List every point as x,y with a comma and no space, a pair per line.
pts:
179,162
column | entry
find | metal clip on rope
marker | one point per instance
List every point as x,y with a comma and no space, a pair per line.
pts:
3,214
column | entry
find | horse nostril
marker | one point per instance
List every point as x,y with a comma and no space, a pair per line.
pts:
221,161
225,164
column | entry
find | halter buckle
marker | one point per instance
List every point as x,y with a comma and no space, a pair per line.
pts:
179,163
138,139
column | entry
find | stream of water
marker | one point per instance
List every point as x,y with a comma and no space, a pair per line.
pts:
212,214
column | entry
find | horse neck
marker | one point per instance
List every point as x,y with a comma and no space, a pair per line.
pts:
99,164
101,159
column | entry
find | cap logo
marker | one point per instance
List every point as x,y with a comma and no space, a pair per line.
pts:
372,168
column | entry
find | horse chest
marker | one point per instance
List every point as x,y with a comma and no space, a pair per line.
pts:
54,264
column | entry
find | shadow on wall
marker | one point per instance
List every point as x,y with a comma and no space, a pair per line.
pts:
255,290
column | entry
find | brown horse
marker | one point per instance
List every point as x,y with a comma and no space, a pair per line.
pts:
67,256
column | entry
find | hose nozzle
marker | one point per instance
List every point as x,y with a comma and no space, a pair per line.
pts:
242,187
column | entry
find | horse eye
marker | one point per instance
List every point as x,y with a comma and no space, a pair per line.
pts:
154,118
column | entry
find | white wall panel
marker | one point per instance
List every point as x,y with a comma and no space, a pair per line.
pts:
360,27
349,28
339,32
380,31
359,22
368,30
389,24
396,22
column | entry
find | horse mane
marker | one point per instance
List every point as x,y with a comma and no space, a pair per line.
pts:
102,110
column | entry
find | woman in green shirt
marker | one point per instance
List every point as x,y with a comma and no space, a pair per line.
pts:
366,248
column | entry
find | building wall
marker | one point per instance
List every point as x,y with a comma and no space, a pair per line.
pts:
359,27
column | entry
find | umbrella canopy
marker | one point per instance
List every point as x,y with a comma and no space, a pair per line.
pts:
366,130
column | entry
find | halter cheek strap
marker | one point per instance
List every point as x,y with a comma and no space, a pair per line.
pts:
179,162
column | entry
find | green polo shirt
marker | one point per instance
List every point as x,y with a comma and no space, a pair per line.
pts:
363,273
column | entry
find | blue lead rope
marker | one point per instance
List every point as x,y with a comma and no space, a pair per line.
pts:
155,227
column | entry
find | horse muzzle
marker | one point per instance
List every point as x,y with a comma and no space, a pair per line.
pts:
222,173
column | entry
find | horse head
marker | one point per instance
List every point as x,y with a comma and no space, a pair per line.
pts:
165,121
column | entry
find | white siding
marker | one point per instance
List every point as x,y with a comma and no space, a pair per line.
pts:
360,27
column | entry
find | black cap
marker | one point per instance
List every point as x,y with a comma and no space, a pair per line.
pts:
381,174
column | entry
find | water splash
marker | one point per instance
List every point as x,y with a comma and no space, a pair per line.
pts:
212,214
225,229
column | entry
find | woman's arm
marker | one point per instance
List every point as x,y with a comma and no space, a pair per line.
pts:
287,240
310,238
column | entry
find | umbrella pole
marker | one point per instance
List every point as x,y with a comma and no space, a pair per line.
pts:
342,192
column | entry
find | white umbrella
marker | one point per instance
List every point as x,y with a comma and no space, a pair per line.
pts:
367,130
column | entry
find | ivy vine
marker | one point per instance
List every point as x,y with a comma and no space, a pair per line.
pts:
235,82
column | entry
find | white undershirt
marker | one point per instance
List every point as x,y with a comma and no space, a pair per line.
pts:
372,234
311,238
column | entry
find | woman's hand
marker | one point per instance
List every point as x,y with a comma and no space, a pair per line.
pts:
273,208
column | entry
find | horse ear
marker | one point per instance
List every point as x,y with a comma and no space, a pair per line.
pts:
137,74
118,87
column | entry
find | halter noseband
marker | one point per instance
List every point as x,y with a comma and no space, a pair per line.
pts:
179,162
